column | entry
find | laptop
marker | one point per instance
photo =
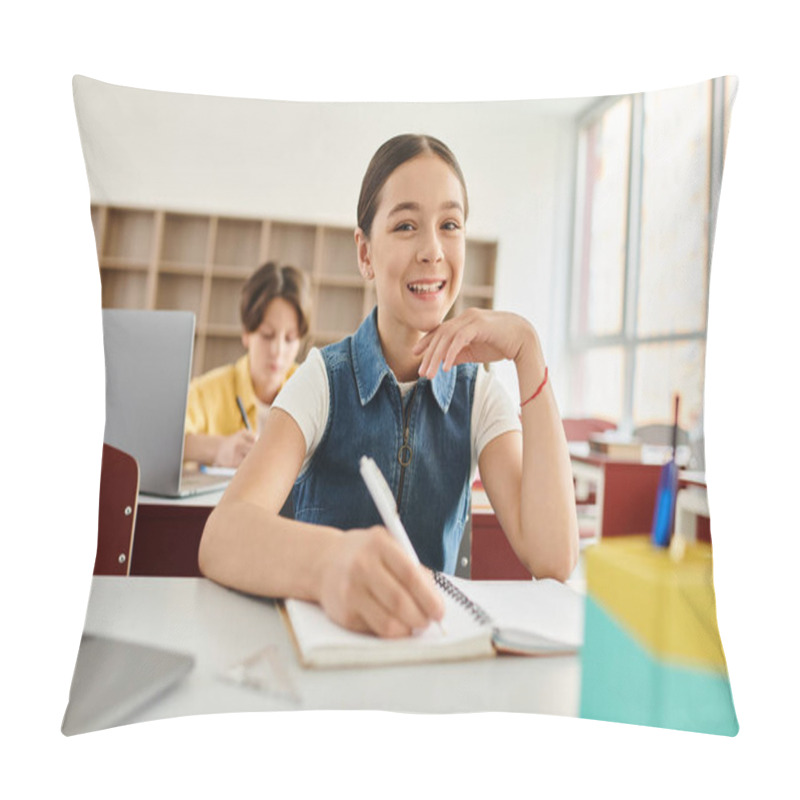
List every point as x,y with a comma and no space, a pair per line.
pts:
114,679
148,357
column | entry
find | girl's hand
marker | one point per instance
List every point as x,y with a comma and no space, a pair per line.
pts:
370,585
476,335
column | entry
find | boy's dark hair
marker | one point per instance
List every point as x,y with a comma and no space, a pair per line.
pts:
268,282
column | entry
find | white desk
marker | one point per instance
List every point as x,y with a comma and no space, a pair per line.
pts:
220,628
625,490
691,504
204,499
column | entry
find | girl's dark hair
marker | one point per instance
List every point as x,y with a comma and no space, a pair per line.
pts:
389,156
268,282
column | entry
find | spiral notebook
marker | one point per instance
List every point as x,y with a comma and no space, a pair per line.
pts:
482,618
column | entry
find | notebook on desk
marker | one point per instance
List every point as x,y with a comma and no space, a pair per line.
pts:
148,359
482,618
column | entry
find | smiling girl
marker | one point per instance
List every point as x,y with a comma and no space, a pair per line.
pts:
408,390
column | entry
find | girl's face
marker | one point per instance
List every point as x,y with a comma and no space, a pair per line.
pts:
272,347
416,249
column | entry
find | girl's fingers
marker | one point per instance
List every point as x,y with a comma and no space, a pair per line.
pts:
396,600
436,348
461,342
380,622
417,582
389,594
396,605
429,351
445,344
434,356
423,343
450,347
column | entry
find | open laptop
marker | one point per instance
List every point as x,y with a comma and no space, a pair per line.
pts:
114,679
148,356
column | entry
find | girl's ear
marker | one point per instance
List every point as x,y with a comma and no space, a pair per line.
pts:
364,254
246,339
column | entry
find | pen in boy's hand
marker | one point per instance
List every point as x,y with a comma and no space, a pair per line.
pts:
243,413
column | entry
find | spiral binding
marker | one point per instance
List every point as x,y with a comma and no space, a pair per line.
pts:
449,588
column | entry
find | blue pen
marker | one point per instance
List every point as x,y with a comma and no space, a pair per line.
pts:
243,413
664,512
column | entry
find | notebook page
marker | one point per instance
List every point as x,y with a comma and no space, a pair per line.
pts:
545,607
322,641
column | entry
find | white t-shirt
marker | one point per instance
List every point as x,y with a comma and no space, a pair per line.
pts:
306,399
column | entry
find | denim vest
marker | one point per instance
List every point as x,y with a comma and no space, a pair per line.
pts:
422,444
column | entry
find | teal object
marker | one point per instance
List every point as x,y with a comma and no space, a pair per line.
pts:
622,682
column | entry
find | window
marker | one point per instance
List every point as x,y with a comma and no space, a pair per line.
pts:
648,174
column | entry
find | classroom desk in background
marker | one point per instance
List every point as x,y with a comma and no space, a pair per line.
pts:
692,514
221,628
168,531
167,534
623,493
491,555
625,490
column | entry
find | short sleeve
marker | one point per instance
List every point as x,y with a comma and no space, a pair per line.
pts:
305,398
493,412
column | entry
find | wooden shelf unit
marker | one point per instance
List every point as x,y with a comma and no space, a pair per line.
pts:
160,259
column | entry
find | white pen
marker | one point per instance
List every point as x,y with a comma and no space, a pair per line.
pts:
387,508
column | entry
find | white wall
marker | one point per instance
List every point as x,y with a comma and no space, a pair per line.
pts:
305,161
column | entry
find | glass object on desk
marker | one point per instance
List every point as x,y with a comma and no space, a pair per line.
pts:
264,671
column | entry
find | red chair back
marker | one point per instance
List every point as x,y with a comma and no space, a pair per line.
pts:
119,491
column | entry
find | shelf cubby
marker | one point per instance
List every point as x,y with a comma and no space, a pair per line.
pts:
180,292
293,244
162,259
185,239
238,244
339,254
479,264
123,289
127,235
225,296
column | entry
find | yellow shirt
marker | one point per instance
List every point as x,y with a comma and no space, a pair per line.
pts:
211,406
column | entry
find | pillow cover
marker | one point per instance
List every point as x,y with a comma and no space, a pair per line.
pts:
592,217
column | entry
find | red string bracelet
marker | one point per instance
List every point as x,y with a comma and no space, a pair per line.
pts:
538,391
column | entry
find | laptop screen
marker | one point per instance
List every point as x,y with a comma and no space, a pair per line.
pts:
148,360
